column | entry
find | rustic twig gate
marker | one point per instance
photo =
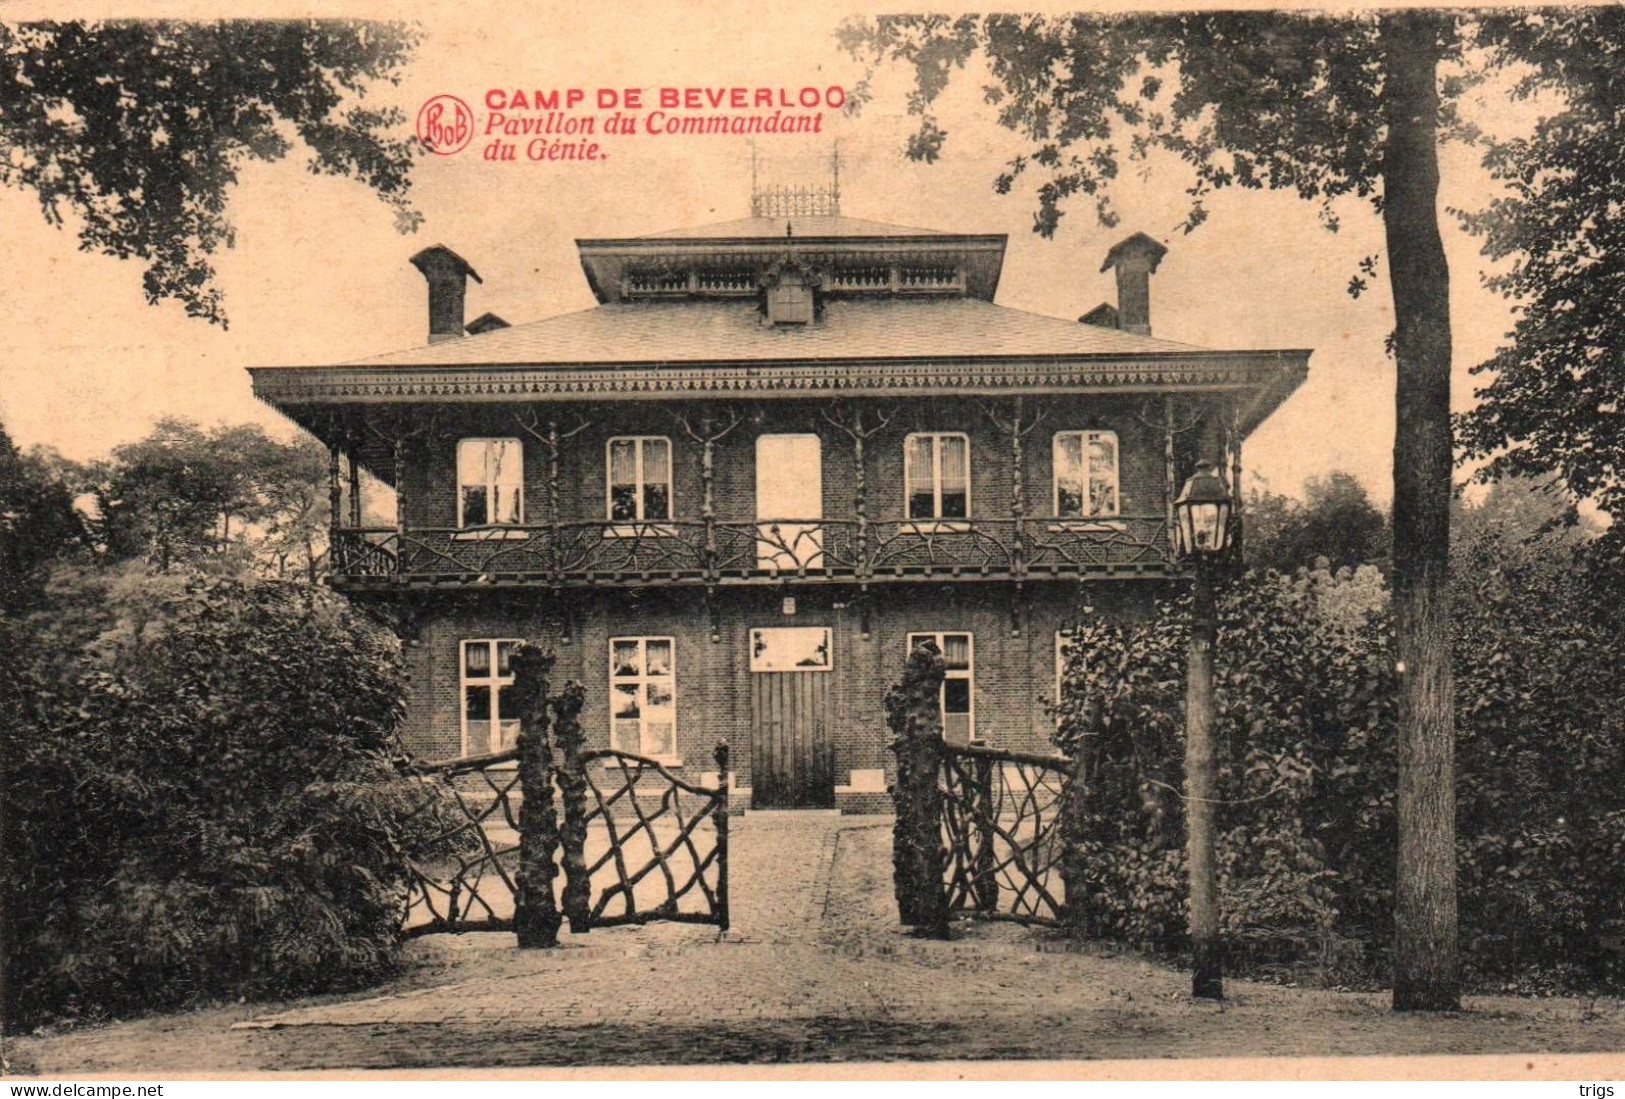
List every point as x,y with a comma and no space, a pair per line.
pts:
979,831
633,842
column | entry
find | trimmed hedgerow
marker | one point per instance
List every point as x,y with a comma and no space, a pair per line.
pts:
1307,743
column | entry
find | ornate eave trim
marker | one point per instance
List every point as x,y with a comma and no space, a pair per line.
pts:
1275,374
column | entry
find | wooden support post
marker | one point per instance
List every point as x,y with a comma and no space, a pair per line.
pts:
860,503
719,821
333,492
536,917
553,505
708,517
400,495
568,736
1170,474
1018,512
1201,791
354,440
1237,525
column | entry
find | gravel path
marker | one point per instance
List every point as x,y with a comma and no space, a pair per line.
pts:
814,969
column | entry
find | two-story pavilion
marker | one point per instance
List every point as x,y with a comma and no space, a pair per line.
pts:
732,493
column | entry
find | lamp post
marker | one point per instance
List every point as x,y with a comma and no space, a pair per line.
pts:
1202,514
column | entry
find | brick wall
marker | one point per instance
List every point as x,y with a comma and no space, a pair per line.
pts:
1014,675
1014,672
431,479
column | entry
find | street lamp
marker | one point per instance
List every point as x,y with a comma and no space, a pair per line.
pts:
1202,515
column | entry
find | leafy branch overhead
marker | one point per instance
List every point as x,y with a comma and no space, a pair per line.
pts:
138,129
1255,100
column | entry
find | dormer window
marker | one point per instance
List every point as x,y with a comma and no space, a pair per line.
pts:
790,302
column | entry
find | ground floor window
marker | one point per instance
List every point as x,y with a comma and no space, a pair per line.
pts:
958,684
490,716
643,696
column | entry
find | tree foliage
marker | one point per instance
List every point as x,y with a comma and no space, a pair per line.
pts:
1552,401
184,493
38,525
200,795
1336,520
138,129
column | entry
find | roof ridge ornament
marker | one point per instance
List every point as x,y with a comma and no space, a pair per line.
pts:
786,201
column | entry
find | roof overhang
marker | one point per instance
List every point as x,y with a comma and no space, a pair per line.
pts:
313,395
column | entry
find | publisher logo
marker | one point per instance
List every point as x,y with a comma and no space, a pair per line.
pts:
445,125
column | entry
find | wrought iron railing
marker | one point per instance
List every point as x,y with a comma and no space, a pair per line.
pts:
1002,832
698,552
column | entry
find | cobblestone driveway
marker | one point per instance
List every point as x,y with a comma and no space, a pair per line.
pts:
815,968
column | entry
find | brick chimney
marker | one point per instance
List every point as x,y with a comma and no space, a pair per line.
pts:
447,274
1136,260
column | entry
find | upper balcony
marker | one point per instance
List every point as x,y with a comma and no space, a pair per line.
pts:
679,552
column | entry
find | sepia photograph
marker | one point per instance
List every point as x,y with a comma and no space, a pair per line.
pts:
786,541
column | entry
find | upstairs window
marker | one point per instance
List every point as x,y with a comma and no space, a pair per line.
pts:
936,475
490,712
639,479
958,697
490,482
1085,474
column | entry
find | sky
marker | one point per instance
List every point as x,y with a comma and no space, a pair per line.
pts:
320,275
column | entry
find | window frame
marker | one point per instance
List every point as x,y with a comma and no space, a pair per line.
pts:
675,757
490,485
936,438
1084,434
967,673
640,482
493,682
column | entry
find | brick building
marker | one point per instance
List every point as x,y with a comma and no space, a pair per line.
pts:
776,451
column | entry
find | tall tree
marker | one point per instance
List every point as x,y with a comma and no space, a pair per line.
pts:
139,128
184,492
1323,107
1336,520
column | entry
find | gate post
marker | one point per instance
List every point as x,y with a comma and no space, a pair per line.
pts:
720,822
535,915
914,712
573,791
1076,910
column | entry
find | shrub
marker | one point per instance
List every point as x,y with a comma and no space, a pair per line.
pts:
1306,744
200,795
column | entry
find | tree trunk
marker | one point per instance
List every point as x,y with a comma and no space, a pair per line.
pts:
1425,975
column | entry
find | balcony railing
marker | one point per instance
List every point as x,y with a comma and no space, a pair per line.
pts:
690,552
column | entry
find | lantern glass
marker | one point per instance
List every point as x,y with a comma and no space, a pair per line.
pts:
1203,513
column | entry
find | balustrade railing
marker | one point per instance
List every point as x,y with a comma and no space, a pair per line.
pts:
689,551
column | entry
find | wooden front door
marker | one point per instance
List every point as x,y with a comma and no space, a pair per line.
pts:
792,755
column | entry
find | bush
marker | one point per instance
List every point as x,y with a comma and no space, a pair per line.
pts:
200,795
1306,742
